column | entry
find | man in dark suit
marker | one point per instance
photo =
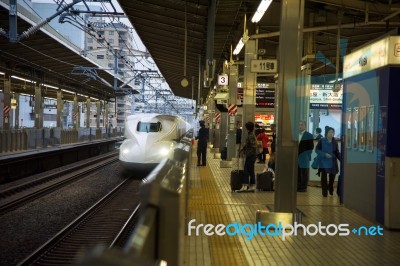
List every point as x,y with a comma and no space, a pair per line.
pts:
306,145
202,138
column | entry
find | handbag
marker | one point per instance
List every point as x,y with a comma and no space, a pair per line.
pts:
315,163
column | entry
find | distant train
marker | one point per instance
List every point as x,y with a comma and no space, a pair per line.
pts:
149,138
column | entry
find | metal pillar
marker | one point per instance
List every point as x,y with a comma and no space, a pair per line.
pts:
88,113
249,88
211,110
233,80
75,113
38,108
7,102
98,113
106,121
59,108
16,111
290,54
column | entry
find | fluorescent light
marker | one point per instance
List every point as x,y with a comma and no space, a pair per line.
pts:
94,98
2,73
46,85
68,91
335,80
261,10
27,80
239,47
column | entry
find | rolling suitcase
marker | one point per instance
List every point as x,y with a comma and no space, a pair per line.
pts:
224,153
236,179
237,174
265,181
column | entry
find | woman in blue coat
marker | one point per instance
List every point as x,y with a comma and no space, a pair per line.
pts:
328,153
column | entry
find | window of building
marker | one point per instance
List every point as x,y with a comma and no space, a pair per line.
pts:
111,32
111,40
100,56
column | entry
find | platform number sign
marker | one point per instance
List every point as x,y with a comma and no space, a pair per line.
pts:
223,80
264,66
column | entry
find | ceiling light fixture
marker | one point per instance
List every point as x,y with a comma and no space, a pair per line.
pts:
242,40
26,80
262,7
239,47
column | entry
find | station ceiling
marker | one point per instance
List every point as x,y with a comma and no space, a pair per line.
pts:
161,26
42,58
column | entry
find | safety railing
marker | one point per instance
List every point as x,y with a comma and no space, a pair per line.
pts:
16,140
159,235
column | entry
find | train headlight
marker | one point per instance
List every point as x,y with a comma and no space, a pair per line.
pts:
125,151
164,151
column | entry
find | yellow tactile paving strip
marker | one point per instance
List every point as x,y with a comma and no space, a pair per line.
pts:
211,201
205,198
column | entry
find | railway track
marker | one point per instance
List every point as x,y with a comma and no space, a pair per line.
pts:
106,224
21,194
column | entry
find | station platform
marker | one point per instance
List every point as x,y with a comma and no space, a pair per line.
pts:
212,202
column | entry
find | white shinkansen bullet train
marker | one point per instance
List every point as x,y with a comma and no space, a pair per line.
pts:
149,139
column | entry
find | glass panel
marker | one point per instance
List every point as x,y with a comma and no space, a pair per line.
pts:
354,139
362,129
370,129
348,128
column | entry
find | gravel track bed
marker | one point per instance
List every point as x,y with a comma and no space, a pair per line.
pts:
25,229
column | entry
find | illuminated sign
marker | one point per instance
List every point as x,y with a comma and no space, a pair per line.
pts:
323,96
375,55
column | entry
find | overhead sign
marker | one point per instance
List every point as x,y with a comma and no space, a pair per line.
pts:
323,96
264,66
378,54
223,80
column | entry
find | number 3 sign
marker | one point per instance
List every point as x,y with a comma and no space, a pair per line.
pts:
223,80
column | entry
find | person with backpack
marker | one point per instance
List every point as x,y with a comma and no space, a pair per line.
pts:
263,137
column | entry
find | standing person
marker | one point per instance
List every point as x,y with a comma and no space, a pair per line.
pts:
306,145
257,131
328,153
273,143
238,138
318,131
250,151
202,138
263,137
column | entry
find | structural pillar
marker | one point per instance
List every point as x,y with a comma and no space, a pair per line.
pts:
38,108
106,118
249,87
75,112
7,102
60,105
88,113
290,54
16,111
233,80
98,113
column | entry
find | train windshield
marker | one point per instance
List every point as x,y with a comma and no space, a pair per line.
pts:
148,127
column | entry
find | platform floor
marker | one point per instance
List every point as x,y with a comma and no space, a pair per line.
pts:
212,202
